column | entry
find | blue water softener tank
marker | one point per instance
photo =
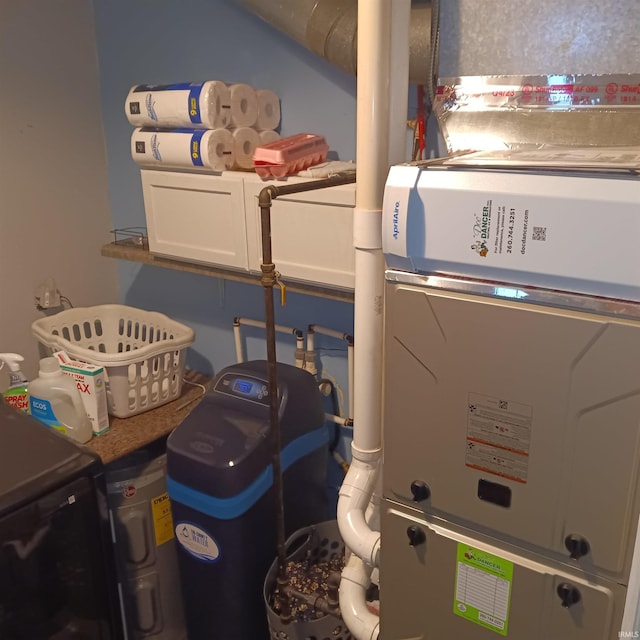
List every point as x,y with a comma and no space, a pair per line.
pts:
220,485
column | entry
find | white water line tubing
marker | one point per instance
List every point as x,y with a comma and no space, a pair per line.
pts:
339,335
249,322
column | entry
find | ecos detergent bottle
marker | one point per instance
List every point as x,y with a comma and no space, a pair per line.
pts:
56,402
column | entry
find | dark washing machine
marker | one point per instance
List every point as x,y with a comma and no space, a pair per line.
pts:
220,484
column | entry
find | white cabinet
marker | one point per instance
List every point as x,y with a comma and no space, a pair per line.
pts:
215,220
196,217
311,232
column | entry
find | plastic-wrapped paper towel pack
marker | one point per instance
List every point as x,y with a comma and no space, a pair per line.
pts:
204,105
184,148
211,125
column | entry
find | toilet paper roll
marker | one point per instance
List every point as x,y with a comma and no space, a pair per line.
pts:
268,136
204,105
212,149
244,105
268,109
246,140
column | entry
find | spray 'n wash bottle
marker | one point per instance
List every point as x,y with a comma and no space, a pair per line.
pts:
17,395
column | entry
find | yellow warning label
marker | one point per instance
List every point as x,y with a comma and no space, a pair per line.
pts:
162,519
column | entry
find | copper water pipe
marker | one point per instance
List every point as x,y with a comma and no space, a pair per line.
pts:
270,277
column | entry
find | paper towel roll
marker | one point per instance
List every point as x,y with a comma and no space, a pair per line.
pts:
212,149
244,105
246,140
268,136
268,109
204,105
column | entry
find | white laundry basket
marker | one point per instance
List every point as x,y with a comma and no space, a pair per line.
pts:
143,352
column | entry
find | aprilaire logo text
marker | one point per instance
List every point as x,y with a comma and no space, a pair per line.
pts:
396,219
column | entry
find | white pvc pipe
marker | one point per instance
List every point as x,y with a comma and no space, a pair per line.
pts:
310,354
238,342
381,134
299,355
351,378
372,514
363,624
313,328
354,497
367,370
374,38
399,89
340,335
374,20
249,322
310,339
341,420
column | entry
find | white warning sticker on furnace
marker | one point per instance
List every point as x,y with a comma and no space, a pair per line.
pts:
498,436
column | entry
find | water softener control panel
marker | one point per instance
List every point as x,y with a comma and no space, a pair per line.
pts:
224,441
243,387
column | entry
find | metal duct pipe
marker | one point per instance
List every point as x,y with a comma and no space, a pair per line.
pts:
330,27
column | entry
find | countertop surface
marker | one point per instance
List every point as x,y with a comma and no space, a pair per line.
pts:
128,434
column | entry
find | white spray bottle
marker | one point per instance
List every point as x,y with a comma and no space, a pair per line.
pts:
17,395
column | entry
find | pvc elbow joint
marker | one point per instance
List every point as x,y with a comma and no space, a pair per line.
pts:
363,624
355,495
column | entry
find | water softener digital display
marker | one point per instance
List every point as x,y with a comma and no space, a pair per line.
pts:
243,387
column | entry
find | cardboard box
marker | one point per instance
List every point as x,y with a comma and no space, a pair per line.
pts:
91,383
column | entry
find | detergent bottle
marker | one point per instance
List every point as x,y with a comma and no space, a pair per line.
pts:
17,395
55,401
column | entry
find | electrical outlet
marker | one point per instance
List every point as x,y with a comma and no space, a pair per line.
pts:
47,295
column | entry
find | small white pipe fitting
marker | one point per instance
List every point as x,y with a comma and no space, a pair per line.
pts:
363,624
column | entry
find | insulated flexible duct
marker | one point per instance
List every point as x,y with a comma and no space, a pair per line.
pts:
329,28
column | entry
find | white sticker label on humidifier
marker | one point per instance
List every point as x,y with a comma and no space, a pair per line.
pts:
483,588
197,542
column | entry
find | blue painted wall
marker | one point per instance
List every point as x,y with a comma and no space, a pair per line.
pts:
162,41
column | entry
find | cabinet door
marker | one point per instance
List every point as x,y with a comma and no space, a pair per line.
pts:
311,233
196,217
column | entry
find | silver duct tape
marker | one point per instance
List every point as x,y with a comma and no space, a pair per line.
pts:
478,113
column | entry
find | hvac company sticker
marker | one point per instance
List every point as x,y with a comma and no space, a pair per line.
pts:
483,588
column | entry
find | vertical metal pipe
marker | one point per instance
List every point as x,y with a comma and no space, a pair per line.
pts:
268,279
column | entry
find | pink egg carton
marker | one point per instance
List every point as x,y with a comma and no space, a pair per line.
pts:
289,155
